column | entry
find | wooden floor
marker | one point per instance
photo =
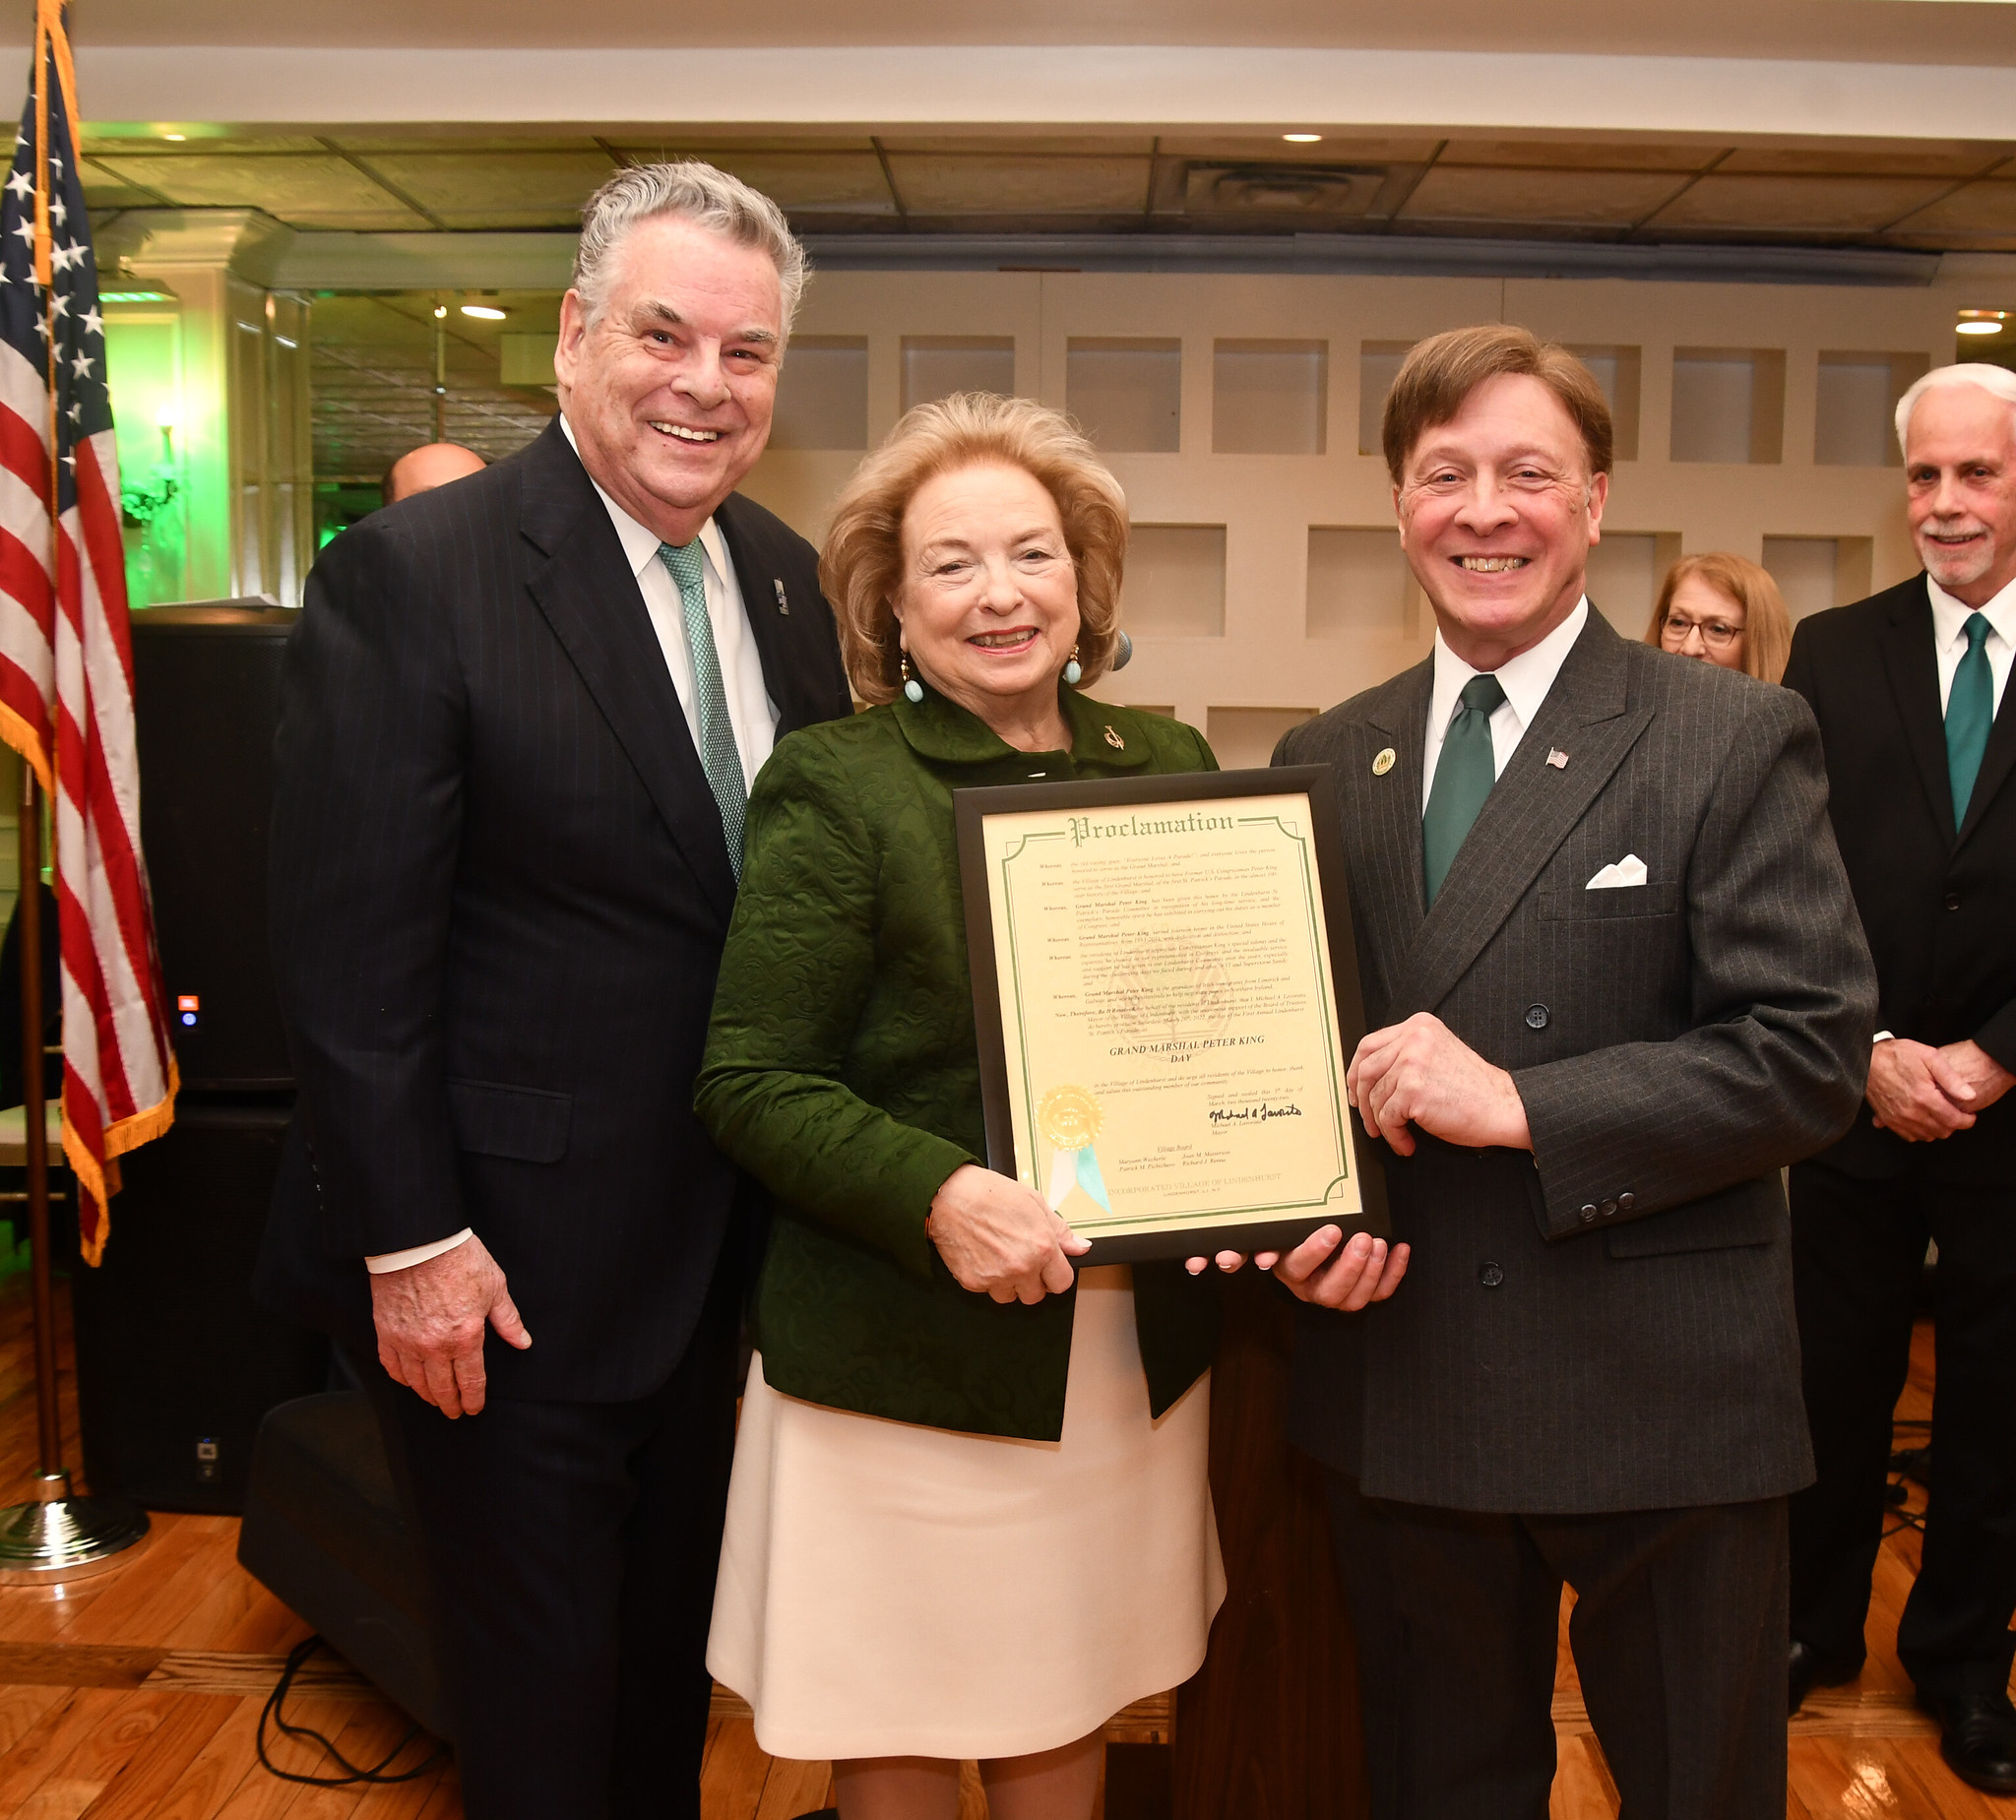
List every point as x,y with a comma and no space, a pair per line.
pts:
137,1693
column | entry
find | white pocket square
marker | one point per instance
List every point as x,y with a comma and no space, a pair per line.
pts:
1629,870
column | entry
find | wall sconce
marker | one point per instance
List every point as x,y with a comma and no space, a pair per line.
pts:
140,506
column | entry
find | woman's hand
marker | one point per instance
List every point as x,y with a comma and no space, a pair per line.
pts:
996,1235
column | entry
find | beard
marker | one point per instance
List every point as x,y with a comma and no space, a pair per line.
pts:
1952,568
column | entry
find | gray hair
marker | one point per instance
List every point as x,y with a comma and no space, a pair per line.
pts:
1982,374
699,193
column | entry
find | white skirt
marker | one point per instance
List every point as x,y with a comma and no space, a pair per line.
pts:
889,1590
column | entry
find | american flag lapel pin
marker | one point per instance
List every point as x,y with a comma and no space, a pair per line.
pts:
1557,758
783,606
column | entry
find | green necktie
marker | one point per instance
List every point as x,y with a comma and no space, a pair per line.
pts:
1464,775
719,757
1970,709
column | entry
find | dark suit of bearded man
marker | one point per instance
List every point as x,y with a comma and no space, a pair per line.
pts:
1612,994
519,718
1910,689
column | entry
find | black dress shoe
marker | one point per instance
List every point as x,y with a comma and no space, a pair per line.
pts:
1806,1669
1978,1738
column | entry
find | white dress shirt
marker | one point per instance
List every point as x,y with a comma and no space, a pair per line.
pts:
751,711
1949,646
1949,638
1526,680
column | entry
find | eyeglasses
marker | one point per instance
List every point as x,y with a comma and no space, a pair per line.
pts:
1716,634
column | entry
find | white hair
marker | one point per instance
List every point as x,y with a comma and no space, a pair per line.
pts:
1984,375
695,192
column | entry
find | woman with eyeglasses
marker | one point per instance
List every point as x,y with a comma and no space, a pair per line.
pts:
1727,609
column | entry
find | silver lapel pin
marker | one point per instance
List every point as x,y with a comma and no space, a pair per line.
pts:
783,606
1557,758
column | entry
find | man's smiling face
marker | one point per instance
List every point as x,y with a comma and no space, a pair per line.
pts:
670,390
1497,513
1959,481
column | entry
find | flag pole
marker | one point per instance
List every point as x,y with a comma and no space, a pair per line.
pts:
28,914
54,1537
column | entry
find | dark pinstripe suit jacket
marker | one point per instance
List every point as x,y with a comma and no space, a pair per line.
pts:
499,896
1605,1324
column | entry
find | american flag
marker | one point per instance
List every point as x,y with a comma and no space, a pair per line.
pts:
66,653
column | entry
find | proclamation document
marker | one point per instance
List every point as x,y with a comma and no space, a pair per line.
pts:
1166,995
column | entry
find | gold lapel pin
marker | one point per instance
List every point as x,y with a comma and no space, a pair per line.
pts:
1114,740
1384,762
1557,758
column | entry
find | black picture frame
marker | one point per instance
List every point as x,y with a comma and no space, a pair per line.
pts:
971,807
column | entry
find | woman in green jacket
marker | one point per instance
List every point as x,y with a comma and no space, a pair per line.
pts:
970,1516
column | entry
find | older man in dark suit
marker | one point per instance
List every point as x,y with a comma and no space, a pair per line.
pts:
518,723
1911,690
1617,981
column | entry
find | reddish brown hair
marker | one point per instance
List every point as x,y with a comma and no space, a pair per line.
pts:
1767,625
860,569
1440,373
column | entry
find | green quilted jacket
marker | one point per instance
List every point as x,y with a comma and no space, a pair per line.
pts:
842,1071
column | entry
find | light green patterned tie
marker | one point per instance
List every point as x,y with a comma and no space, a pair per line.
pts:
719,757
1970,711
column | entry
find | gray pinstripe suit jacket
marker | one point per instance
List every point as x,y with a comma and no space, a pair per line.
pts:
1606,1323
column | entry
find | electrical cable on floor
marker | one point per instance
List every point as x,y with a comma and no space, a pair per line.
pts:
1912,1462
375,1775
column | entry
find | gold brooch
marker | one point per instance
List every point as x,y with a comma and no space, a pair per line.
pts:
1384,762
1114,740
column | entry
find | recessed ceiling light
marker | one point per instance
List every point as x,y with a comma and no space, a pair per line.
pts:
483,312
1303,139
179,138
1981,322
440,311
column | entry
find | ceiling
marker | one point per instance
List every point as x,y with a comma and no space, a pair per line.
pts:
372,380
1880,31
1954,196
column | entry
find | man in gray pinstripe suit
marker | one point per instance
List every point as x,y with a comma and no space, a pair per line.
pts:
1616,981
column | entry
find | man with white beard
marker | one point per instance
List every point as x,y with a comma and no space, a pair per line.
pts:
1911,690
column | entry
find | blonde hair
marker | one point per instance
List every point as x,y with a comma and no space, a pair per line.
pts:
860,569
1767,626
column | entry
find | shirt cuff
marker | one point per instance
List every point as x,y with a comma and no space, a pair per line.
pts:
1882,1035
417,1254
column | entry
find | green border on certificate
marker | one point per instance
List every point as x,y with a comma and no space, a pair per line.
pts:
1165,989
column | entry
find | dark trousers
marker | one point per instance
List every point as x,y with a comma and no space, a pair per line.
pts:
1858,1254
572,1548
1678,1632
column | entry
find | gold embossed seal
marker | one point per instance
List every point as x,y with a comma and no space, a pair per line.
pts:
1068,1116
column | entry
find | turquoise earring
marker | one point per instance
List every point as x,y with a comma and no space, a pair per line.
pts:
913,690
1073,670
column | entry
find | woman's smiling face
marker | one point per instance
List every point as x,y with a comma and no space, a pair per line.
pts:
988,601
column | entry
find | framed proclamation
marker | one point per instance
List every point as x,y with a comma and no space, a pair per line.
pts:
1167,994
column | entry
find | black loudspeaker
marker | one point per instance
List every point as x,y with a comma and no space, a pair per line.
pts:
206,689
176,1365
